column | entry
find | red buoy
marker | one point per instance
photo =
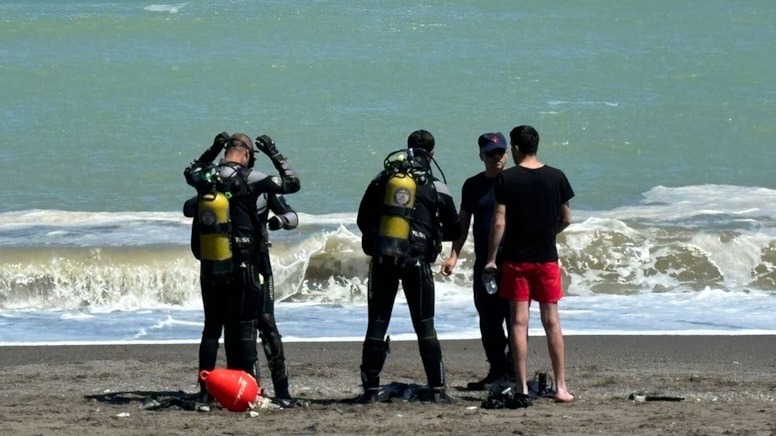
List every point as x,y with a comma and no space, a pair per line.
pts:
234,389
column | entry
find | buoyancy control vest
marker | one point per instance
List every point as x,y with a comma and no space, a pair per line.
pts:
403,175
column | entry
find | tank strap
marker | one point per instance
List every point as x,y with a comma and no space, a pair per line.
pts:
215,228
398,211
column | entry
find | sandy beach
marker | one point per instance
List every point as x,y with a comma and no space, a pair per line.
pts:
728,384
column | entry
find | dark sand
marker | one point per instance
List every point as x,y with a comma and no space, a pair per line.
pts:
728,382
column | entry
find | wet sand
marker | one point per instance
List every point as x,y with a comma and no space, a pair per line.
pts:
728,384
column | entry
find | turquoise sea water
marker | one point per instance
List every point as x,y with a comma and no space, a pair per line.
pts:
660,113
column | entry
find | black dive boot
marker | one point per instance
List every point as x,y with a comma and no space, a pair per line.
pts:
370,395
371,385
280,381
373,357
431,355
277,368
439,395
276,359
484,384
502,370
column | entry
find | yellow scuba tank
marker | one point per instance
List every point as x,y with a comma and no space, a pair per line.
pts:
215,232
393,232
399,193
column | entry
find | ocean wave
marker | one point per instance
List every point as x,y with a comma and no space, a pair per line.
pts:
599,256
677,240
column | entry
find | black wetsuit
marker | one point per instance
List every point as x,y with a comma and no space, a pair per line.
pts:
234,301
287,219
433,220
477,199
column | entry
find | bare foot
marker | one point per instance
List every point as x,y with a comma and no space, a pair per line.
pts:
563,396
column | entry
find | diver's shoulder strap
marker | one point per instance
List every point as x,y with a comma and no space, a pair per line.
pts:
236,184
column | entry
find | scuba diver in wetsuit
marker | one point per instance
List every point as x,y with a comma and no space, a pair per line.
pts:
227,236
284,217
404,216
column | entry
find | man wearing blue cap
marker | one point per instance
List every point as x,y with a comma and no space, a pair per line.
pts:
477,202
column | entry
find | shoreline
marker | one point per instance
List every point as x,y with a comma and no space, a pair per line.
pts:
728,384
401,337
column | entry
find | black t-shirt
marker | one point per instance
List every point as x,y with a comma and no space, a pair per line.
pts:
532,198
477,199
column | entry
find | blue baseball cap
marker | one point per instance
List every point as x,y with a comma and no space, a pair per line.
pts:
491,141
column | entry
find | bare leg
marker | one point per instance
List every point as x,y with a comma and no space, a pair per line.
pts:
556,348
518,310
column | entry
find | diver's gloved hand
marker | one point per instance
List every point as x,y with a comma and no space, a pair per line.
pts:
267,146
290,181
275,223
220,140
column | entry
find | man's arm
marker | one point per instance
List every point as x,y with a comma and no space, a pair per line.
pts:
455,251
369,207
284,217
497,226
287,182
369,214
448,214
565,216
190,207
193,171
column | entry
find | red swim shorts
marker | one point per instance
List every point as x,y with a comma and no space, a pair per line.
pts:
525,281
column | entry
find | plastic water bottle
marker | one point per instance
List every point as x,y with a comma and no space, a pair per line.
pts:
490,286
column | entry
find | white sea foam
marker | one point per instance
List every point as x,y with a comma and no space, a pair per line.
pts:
696,313
173,9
